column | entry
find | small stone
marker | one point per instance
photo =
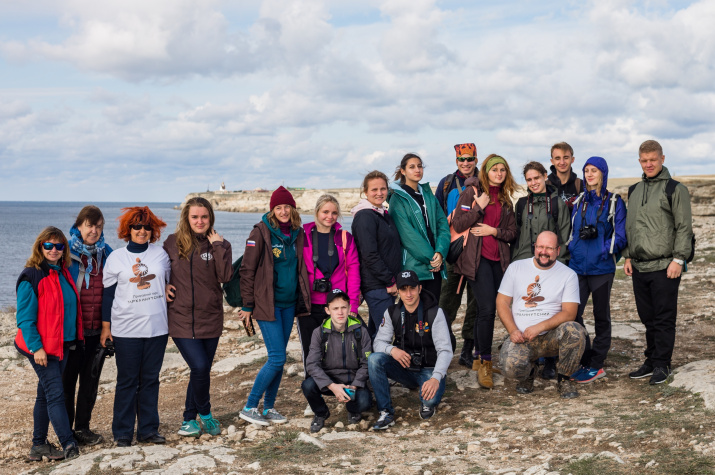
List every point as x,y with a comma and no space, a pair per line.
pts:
231,429
339,425
205,437
253,466
364,425
352,427
303,437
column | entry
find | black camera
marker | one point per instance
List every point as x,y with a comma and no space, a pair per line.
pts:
416,360
322,285
103,352
588,232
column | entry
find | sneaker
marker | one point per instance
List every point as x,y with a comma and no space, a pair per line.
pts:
484,374
318,423
579,372
190,429
588,375
567,389
71,452
274,417
308,411
642,372
45,450
354,417
87,437
210,425
660,375
384,421
549,371
426,412
123,442
253,416
526,386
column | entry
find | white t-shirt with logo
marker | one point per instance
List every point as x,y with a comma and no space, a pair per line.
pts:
139,307
537,294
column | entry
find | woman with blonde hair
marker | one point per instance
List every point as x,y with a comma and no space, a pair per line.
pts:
200,261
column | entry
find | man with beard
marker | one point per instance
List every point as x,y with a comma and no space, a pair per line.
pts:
537,303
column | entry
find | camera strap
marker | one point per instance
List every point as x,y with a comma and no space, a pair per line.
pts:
420,325
331,250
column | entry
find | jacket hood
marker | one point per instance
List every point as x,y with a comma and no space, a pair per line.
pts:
277,232
396,188
308,227
350,325
600,163
663,175
572,177
472,181
362,204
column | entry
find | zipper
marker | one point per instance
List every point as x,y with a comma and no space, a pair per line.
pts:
191,274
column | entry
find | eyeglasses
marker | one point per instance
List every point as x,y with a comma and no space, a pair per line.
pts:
47,246
469,159
546,248
137,227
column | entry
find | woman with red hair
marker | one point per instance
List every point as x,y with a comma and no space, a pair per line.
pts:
134,318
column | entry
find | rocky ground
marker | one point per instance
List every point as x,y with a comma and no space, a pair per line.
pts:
617,426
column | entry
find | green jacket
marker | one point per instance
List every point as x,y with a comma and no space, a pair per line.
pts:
531,228
417,252
656,233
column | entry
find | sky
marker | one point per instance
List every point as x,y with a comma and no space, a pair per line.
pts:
150,100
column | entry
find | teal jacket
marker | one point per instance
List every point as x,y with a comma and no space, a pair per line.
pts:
285,266
417,252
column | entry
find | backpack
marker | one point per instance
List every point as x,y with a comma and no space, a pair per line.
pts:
669,190
521,204
232,288
445,190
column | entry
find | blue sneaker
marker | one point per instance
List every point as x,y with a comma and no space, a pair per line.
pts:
384,421
589,375
579,372
209,424
190,429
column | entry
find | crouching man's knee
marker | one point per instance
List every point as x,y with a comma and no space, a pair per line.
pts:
514,360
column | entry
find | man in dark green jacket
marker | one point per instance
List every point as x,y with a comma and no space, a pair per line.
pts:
659,229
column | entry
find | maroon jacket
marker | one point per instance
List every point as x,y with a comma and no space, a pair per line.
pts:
468,261
90,298
197,309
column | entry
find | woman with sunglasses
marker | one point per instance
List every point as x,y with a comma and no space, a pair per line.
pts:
134,317
200,262
49,321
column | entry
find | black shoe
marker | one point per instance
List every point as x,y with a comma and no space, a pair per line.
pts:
354,417
154,439
385,421
45,450
466,358
123,442
549,371
567,388
660,375
526,386
642,372
71,451
87,437
318,423
426,412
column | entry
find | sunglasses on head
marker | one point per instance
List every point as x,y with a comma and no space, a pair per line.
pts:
137,227
469,159
47,246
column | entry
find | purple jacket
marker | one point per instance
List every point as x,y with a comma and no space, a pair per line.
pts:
348,281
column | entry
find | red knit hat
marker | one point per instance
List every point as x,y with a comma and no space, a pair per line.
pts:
282,197
468,149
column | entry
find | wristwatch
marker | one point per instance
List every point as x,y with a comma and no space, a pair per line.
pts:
679,261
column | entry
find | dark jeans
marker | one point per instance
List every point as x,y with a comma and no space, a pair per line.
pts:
306,325
378,300
137,396
382,366
79,366
433,285
450,300
199,355
657,304
485,287
311,391
50,401
599,286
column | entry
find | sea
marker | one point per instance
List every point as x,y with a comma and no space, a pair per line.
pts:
22,221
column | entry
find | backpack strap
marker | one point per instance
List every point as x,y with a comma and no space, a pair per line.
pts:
578,185
573,218
345,252
670,189
631,189
445,190
358,342
612,218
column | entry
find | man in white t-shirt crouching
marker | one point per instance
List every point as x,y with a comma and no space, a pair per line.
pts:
537,303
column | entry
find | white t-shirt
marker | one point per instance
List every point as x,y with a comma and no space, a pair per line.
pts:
139,308
537,294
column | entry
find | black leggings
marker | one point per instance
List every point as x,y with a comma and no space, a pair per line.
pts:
307,324
599,286
433,285
484,288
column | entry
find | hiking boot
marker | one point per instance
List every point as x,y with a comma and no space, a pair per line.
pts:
253,416
384,421
45,450
549,371
123,442
484,374
190,429
210,425
588,375
274,417
153,439
87,437
71,452
354,417
466,358
476,364
660,375
526,386
567,389
318,423
426,412
642,372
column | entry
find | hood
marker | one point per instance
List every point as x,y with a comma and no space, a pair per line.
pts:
600,163
472,181
396,189
277,232
555,176
308,227
362,204
351,324
663,175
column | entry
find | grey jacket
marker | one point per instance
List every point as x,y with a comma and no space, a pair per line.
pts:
531,228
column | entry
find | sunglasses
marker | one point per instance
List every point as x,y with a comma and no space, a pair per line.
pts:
47,246
137,227
469,159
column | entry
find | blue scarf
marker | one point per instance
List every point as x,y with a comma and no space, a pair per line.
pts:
79,247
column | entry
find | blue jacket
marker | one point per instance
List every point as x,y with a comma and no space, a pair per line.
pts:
592,256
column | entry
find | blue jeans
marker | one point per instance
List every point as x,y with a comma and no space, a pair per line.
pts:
378,300
275,335
50,401
199,355
382,366
137,396
314,395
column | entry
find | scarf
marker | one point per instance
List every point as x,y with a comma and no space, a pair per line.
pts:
80,248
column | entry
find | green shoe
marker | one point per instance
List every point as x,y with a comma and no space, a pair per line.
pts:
190,429
210,425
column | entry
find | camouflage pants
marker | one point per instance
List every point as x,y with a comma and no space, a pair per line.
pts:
567,341
450,301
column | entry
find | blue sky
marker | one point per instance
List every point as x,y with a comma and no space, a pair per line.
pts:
150,100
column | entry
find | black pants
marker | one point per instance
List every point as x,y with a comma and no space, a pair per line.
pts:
599,286
433,285
484,288
361,403
657,304
307,324
79,366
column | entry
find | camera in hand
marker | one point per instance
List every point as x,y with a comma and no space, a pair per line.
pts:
415,360
322,285
588,232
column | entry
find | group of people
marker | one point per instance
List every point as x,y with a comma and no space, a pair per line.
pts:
534,262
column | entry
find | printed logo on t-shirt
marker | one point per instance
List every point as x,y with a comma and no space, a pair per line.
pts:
532,294
141,275
207,256
425,327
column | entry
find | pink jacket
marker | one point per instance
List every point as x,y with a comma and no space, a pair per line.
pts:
348,281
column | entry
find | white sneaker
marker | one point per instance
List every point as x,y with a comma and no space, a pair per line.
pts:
308,411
